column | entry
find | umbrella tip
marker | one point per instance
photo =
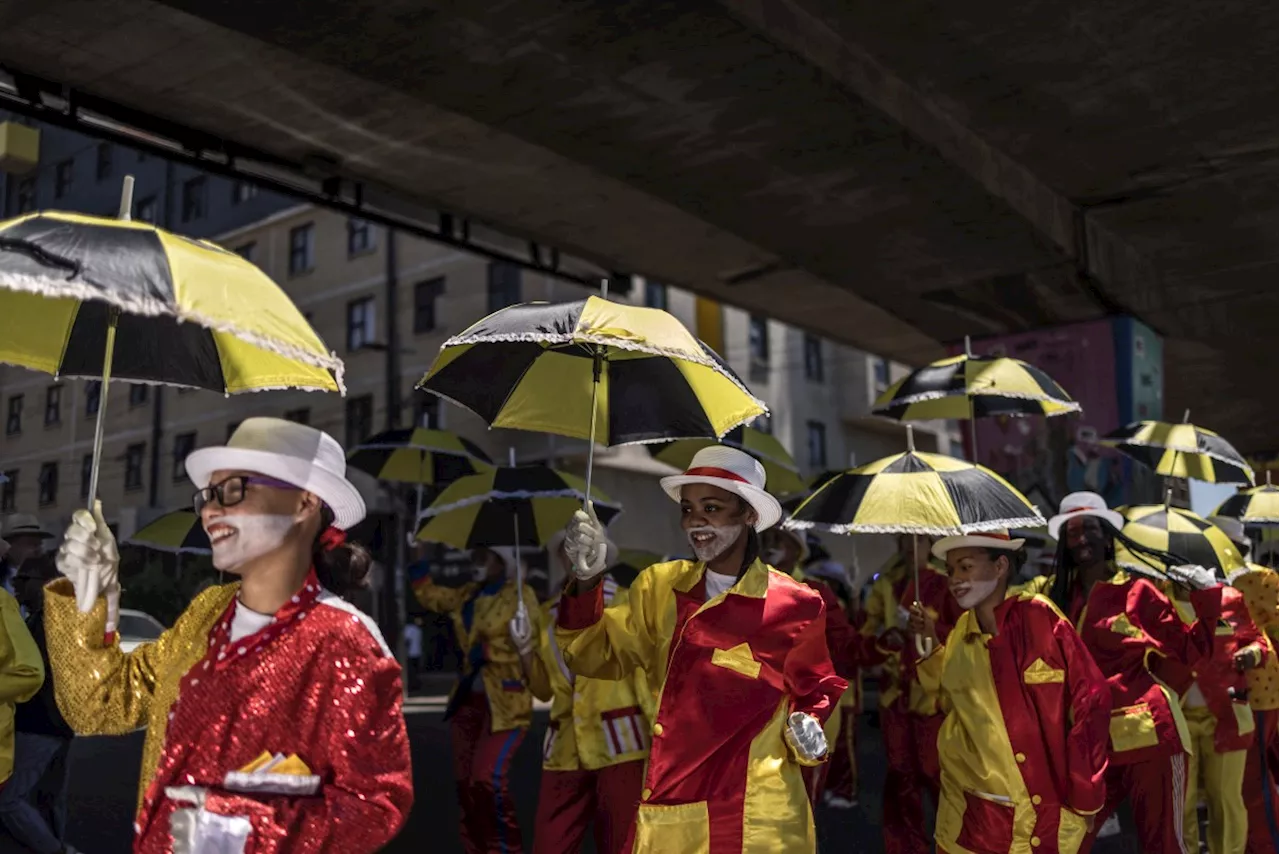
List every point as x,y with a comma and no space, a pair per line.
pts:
1186,417
911,439
126,198
968,347
604,287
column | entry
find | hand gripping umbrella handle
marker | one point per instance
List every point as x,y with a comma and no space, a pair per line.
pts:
924,646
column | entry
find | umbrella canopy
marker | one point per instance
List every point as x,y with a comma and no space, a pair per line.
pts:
1257,506
1179,532
179,532
485,509
418,455
632,562
1181,450
782,475
536,367
968,386
188,313
916,493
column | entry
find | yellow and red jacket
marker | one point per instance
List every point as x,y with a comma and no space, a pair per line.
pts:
881,614
21,674
1260,587
721,778
1125,623
936,599
481,616
1023,750
595,723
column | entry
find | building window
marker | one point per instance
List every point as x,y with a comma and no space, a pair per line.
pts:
246,250
881,372
86,472
92,397
133,457
14,425
48,484
137,394
758,347
655,295
63,176
427,412
9,491
301,248
144,210
183,445
361,323
103,172
298,416
243,191
359,237
53,405
764,424
26,195
504,285
359,419
232,426
813,368
193,199
425,295
817,445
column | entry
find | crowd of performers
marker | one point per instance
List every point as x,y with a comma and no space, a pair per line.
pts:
712,706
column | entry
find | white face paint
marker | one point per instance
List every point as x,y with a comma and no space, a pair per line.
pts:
709,542
238,539
971,593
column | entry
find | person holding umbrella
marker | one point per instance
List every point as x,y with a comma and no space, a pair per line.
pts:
491,707
1023,749
1126,623
272,706
738,654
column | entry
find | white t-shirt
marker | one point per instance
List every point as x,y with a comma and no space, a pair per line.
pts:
245,622
718,583
413,640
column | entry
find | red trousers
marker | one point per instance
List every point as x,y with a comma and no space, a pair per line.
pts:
482,770
911,748
569,800
842,770
1260,787
1156,790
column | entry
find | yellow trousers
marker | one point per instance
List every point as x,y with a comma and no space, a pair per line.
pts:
1220,777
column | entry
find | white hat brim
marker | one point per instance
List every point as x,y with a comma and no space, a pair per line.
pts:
768,510
340,494
965,541
1111,516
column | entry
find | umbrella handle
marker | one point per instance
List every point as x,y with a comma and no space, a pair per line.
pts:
924,646
597,368
515,521
113,321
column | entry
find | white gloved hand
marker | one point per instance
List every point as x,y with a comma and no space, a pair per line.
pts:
195,830
521,630
1195,577
805,736
585,544
89,557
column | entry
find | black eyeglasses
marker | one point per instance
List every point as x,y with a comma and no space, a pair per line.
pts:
231,491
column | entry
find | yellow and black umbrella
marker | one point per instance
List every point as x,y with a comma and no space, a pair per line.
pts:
503,505
591,369
418,455
1181,450
1179,532
781,474
1257,506
179,532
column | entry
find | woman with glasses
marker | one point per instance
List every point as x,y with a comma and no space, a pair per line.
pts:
272,707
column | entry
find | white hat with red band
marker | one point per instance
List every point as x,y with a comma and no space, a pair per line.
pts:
1083,504
731,470
998,539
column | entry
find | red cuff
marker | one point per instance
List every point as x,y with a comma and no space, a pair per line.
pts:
581,610
108,639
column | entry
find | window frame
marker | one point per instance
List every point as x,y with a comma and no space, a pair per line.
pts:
53,404
307,231
363,401
501,287
358,226
183,445
434,289
195,198
132,483
9,491
818,430
60,186
47,484
815,369
13,416
368,331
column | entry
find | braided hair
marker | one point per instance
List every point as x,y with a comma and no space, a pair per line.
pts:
1065,571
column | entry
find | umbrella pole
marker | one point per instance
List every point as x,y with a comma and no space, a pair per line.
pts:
515,521
597,368
973,427
113,320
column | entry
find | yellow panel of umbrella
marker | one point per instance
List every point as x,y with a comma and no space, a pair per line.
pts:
782,475
1185,535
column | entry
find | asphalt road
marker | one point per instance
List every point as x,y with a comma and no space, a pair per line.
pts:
104,773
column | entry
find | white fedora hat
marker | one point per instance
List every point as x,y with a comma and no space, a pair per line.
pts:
998,539
732,470
24,525
1083,504
308,458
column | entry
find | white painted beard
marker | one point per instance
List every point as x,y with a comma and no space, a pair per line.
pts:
721,541
255,535
976,591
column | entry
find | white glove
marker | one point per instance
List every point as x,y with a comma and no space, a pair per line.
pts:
805,736
1195,577
89,557
585,544
197,831
521,630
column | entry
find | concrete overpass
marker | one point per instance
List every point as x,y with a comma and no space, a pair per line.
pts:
892,176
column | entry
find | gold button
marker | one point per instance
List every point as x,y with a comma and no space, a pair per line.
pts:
1195,675
646,794
1035,799
1021,757
1035,842
657,730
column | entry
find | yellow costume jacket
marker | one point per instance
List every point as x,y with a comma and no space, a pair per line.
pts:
21,674
1260,587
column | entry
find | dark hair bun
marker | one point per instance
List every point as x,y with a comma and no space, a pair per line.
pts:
344,569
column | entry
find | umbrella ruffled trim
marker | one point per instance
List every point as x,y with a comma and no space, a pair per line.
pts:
1238,463
929,530
173,550
65,375
54,288
921,397
432,512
